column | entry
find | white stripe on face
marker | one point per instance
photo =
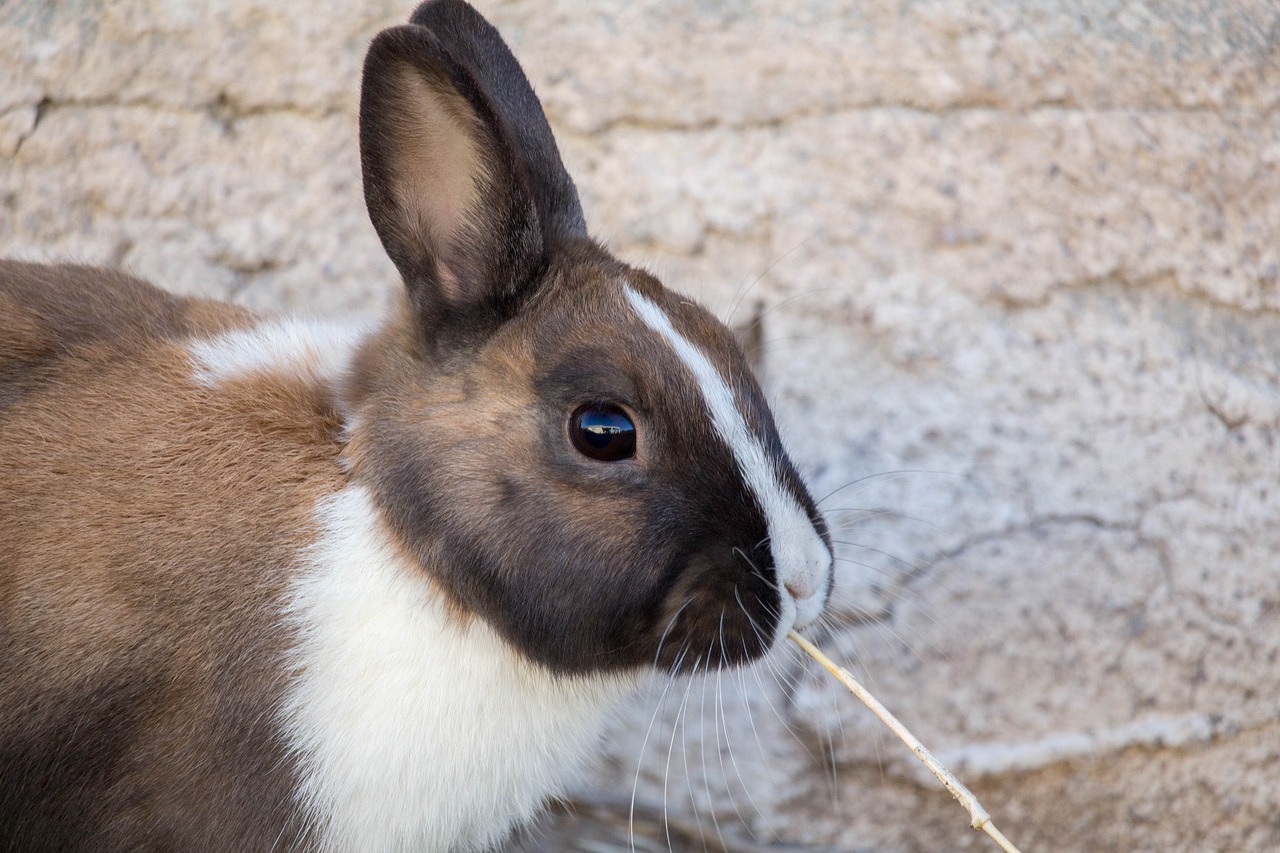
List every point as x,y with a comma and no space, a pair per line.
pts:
801,559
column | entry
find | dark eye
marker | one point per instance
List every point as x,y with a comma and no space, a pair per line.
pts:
602,432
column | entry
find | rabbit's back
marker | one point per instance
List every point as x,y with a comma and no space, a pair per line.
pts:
67,319
151,521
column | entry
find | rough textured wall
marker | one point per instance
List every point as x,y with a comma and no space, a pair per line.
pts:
1019,269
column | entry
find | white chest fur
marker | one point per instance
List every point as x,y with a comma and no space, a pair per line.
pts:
416,732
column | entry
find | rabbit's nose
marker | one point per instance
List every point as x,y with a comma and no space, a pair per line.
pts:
807,579
801,588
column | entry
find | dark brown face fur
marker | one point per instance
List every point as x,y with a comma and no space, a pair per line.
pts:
583,565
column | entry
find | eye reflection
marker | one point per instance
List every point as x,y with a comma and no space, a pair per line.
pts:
602,432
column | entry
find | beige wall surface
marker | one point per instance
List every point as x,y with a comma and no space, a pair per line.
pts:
1019,269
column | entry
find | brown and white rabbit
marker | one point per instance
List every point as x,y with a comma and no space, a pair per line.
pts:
276,584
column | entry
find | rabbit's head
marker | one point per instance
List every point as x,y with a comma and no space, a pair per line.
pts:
570,451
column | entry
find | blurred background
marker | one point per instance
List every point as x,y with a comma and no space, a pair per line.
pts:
1013,274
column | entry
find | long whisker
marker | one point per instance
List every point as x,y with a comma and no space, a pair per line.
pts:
683,722
890,476
899,590
666,630
872,514
702,744
666,773
733,759
745,289
746,703
779,678
635,784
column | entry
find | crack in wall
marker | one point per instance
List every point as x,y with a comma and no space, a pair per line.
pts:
222,110
717,123
1004,758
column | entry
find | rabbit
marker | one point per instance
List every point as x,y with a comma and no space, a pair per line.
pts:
285,584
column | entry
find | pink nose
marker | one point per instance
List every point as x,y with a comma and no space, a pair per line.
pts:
801,588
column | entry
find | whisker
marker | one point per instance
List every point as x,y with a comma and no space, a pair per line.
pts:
890,476
666,773
900,590
746,703
702,744
745,289
751,563
635,784
733,758
779,678
802,295
667,629
870,514
683,722
718,720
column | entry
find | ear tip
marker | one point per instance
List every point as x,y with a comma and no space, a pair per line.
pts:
434,12
390,45
406,46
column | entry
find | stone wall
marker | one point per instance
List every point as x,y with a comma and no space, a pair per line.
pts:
1018,265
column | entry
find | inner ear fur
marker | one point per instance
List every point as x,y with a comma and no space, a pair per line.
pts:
445,188
471,38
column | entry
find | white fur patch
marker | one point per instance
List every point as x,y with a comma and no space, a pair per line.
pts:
802,559
311,349
416,732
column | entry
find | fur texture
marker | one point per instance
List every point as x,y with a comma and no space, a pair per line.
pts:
148,528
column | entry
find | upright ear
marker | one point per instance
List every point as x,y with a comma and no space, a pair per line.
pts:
477,42
462,178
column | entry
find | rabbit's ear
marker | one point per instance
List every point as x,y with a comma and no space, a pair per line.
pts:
465,212
476,42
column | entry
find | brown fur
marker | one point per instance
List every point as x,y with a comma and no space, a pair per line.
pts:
146,531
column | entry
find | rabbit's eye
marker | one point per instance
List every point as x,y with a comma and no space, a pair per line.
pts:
602,432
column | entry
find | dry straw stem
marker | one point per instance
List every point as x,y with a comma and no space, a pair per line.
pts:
980,819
